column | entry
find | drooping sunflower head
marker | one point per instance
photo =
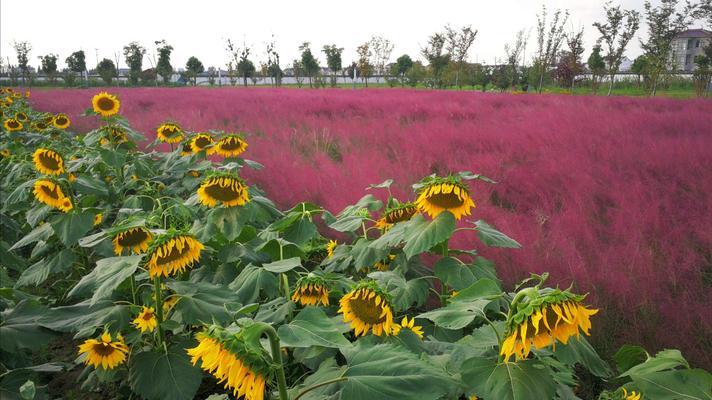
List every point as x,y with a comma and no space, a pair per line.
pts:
172,253
39,126
311,290
633,395
230,146
330,248
541,320
98,219
408,325
231,360
21,116
367,308
104,352
200,141
49,192
399,213
48,162
146,320
185,149
61,121
134,240
223,187
169,132
437,194
105,104
115,134
12,125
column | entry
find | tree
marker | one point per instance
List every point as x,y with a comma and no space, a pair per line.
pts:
240,59
133,55
615,34
481,75
273,69
664,23
415,74
22,49
76,62
572,58
298,71
49,66
194,67
381,49
437,56
597,66
401,67
639,67
364,61
702,76
459,43
515,54
163,66
309,63
106,70
548,41
333,60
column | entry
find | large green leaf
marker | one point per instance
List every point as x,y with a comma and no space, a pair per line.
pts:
423,235
688,384
90,185
578,350
20,328
40,271
203,302
301,232
283,265
405,293
629,356
389,372
365,256
522,380
40,233
663,360
251,281
158,375
494,238
71,226
84,316
469,304
328,371
108,274
223,221
312,327
454,273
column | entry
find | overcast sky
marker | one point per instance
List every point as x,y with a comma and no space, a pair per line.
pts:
200,28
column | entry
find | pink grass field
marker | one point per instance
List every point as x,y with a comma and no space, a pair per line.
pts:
614,194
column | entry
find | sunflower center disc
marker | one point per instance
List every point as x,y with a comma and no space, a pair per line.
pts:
231,145
49,162
103,349
134,238
221,193
445,200
105,104
51,193
367,310
174,255
202,142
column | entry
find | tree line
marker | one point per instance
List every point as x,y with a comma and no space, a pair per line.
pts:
557,58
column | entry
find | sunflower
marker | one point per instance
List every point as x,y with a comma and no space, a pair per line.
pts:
194,173
146,320
229,360
136,240
330,248
116,135
384,265
5,153
49,192
39,126
12,125
48,162
399,213
405,324
226,188
436,194
311,291
169,132
105,104
61,121
20,116
173,253
542,320
98,219
27,94
230,146
72,178
185,149
168,304
200,141
632,396
104,352
367,307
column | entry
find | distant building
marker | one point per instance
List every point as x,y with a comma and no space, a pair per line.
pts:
686,46
626,64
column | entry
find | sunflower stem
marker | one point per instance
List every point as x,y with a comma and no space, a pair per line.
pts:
159,308
276,358
133,289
